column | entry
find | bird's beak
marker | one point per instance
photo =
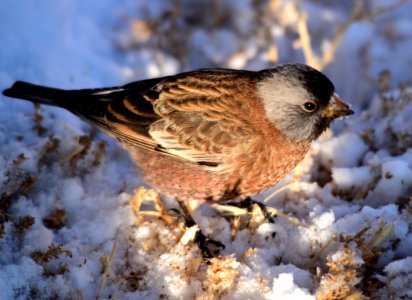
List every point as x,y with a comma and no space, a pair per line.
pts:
337,108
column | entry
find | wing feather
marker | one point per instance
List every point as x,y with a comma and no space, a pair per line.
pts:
200,126
193,116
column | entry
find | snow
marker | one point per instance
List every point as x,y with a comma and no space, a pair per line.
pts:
66,191
400,276
17,277
351,177
396,176
348,143
285,288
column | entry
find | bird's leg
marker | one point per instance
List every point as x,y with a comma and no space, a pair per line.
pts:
229,194
202,241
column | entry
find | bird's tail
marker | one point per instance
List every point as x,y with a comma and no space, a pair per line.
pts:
37,93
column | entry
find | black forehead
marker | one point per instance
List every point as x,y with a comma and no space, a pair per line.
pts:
314,81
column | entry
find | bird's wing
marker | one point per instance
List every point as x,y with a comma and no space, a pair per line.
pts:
194,116
201,118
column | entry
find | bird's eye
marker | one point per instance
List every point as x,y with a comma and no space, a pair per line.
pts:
309,106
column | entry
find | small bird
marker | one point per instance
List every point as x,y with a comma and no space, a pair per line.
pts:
211,134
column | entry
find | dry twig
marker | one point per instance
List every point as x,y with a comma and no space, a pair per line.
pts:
328,55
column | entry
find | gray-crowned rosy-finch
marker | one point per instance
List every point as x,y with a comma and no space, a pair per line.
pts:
201,134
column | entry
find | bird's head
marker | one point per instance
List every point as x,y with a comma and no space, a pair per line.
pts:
300,101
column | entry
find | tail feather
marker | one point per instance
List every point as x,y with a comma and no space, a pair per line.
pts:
36,93
83,103
94,105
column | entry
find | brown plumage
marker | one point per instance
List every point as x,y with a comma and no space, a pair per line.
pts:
211,134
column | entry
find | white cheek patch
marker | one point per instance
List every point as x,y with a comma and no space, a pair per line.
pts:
282,99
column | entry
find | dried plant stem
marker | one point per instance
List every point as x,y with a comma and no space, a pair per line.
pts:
329,54
106,271
358,14
304,36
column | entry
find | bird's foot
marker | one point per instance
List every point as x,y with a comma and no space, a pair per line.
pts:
208,246
253,209
248,207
